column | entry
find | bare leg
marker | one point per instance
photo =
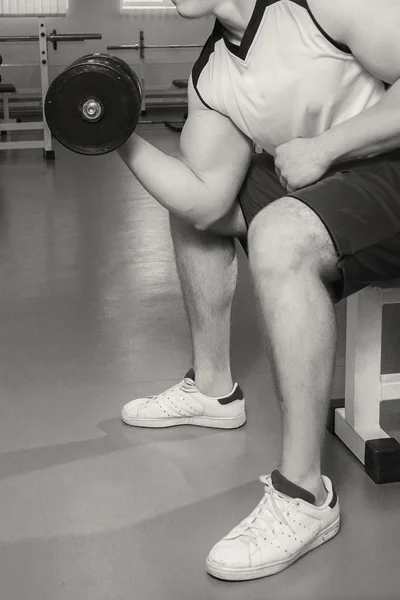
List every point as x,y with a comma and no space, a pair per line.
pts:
207,269
293,261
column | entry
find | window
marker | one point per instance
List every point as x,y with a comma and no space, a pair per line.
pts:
132,5
33,7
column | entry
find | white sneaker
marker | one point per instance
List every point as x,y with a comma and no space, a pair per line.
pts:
184,404
284,526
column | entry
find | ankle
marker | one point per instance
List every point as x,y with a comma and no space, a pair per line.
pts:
214,384
312,483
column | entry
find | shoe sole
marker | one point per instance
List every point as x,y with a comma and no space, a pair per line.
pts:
212,422
265,571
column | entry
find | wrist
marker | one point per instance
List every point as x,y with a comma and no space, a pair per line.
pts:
328,149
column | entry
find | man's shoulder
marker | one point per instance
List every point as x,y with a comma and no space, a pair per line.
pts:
334,16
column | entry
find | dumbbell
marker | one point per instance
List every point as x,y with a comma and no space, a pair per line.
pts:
93,107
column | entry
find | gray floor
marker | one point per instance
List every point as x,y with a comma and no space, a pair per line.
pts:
90,317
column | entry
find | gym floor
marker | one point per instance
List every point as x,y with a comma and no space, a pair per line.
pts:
91,316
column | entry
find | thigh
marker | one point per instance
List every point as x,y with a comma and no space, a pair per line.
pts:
360,207
262,198
260,188
291,233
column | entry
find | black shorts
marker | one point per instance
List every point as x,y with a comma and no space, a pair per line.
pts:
359,204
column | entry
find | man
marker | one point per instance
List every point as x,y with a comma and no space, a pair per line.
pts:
319,212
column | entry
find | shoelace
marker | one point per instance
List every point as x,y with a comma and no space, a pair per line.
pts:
187,385
266,515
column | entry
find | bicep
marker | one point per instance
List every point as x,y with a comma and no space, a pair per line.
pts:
215,150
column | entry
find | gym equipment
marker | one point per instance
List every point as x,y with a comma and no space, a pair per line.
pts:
181,84
364,418
43,40
53,37
93,107
6,89
168,97
142,46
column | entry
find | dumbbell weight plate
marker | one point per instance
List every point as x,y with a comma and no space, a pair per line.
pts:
93,108
113,61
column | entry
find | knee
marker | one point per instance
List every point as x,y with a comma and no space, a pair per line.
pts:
280,240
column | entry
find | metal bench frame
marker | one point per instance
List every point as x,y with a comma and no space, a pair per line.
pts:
356,418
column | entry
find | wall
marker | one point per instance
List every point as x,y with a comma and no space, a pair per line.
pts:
103,16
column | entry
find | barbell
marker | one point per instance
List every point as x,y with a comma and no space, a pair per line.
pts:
93,107
53,37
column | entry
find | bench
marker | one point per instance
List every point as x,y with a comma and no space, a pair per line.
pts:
356,418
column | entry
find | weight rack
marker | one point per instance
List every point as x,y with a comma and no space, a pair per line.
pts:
43,38
141,47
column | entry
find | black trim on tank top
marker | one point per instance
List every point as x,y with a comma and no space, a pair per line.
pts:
204,57
250,33
326,35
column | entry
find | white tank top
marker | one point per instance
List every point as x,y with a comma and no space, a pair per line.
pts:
287,79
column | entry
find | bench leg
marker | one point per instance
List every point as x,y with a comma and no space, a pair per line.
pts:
357,424
6,112
6,107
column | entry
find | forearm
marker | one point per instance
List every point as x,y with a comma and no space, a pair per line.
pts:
372,132
169,180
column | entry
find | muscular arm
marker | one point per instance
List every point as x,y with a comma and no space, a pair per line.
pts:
371,29
200,186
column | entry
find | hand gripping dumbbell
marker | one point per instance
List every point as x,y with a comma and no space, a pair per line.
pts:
93,106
